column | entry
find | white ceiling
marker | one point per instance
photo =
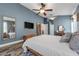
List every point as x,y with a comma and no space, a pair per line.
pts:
58,8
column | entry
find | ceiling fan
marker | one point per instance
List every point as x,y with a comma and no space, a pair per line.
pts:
42,10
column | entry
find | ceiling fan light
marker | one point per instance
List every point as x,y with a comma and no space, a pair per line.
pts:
42,11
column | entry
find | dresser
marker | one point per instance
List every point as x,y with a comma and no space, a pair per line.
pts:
60,33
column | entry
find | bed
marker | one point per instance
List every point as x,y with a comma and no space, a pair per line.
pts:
48,45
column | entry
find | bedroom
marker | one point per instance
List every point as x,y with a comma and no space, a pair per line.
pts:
58,21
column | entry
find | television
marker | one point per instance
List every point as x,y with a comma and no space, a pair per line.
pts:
28,25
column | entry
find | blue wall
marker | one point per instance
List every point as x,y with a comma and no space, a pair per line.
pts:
63,20
21,14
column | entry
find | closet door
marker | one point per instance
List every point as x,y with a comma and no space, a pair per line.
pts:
45,28
38,29
51,29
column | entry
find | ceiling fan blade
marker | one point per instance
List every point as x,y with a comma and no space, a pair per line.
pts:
49,10
44,14
36,9
38,13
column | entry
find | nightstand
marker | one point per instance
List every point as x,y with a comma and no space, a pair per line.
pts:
60,33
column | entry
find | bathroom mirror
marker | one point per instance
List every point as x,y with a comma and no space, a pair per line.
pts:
8,28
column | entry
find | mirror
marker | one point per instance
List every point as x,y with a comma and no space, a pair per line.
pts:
61,28
8,28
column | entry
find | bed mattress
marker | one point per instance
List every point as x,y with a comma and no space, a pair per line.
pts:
49,45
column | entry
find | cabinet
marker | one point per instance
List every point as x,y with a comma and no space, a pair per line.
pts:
60,33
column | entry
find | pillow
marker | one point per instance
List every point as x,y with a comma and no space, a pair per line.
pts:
76,33
66,37
74,43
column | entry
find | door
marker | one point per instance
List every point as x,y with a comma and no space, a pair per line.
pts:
45,28
51,29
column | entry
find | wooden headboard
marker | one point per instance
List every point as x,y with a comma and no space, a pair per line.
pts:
25,37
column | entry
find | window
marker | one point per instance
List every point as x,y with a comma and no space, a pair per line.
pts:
5,29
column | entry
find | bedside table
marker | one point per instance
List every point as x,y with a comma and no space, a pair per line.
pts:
60,33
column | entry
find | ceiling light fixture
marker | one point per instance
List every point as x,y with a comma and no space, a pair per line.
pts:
52,18
42,11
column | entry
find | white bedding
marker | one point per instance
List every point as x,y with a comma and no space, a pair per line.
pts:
49,45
